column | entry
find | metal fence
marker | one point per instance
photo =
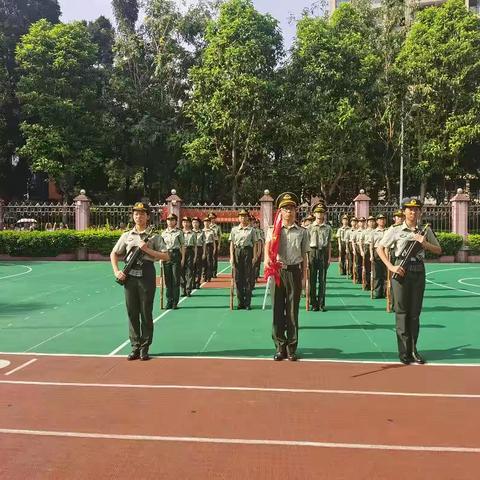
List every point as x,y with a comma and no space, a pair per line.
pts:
438,216
474,218
335,212
39,216
387,209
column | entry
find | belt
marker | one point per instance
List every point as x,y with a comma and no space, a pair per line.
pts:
292,268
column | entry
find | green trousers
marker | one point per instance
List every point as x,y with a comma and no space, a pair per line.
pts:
197,273
188,273
243,258
379,277
139,296
208,263
172,272
408,299
286,300
318,264
343,258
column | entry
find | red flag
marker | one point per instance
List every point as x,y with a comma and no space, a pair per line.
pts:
273,269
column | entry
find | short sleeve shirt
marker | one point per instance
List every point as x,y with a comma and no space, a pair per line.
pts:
399,236
341,233
243,236
173,238
377,236
199,237
294,244
366,236
216,229
209,235
132,238
190,238
320,235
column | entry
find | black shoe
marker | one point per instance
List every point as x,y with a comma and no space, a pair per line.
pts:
169,306
292,357
323,309
175,306
315,308
144,356
184,294
417,358
133,355
248,307
189,294
241,307
405,360
279,356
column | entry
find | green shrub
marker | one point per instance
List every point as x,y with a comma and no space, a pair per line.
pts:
473,241
450,242
100,240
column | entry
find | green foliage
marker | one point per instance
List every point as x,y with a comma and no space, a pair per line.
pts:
473,241
450,242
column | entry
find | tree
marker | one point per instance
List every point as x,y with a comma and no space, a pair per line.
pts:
331,83
231,98
440,69
58,95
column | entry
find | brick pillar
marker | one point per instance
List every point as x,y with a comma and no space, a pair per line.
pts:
362,204
2,213
82,211
460,221
174,203
266,211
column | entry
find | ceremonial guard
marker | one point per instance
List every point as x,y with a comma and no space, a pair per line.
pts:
286,251
349,247
210,249
260,249
365,242
199,251
378,267
307,221
243,251
342,248
175,242
398,218
218,241
188,269
319,257
408,280
140,283
357,255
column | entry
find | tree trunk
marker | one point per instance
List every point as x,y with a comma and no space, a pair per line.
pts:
423,188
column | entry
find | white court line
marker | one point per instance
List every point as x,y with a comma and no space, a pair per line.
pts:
247,359
447,286
23,365
240,441
243,389
18,274
463,282
126,342
73,328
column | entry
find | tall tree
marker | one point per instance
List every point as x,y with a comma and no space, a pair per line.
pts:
58,92
232,91
440,68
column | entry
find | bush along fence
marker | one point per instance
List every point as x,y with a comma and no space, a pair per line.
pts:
96,227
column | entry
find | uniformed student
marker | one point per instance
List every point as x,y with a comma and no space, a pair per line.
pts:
342,250
319,257
365,242
307,221
348,245
188,269
210,249
260,248
218,239
292,255
398,218
199,251
409,289
140,284
175,242
379,269
243,251
357,257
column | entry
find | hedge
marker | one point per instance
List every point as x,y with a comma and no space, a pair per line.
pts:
473,241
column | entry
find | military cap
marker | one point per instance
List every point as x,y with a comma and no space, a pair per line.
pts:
141,207
196,219
243,213
345,217
398,213
286,198
381,216
411,202
362,219
319,208
186,219
371,217
212,215
207,218
172,216
354,219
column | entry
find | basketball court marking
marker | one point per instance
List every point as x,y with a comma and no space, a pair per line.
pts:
463,281
240,441
447,286
22,366
4,363
18,274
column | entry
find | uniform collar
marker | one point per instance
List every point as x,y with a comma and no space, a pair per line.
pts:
319,224
406,227
294,225
134,230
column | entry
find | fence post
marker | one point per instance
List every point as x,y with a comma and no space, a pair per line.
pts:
174,203
460,222
82,211
266,211
362,204
2,212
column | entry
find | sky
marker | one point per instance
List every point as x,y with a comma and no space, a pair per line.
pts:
282,10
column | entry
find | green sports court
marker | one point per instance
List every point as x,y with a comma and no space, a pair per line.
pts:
77,308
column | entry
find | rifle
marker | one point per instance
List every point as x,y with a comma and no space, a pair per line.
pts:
354,265
162,283
339,257
364,272
307,289
232,287
410,250
389,288
372,270
347,259
134,257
